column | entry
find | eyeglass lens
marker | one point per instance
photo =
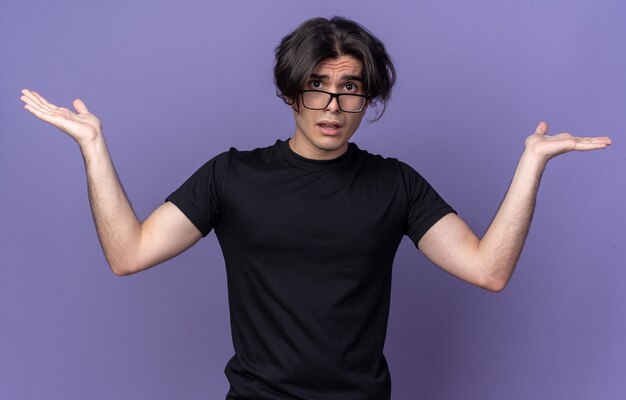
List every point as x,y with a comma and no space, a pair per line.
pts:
320,100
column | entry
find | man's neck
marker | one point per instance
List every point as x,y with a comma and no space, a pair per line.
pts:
308,150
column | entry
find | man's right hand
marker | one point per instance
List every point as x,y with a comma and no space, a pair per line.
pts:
82,126
129,246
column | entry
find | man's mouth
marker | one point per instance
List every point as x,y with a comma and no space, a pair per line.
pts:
329,127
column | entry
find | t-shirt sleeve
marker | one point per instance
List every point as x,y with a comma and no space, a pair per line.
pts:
426,206
198,197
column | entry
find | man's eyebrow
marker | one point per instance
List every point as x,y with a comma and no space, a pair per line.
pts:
343,78
318,76
352,78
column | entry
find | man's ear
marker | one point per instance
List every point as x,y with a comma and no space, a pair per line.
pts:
290,103
293,104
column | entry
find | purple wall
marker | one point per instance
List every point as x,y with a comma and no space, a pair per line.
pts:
177,84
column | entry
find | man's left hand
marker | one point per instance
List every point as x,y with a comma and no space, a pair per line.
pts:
546,147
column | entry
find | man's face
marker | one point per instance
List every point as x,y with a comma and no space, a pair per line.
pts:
324,134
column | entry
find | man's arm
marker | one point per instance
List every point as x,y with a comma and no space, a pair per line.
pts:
129,246
489,262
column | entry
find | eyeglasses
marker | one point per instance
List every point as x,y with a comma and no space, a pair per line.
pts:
319,100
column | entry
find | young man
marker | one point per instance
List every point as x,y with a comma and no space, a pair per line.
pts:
309,227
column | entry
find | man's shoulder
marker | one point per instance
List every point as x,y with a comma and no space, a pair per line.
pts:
253,155
255,151
234,154
381,161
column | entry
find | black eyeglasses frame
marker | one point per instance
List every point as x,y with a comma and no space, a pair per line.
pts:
335,95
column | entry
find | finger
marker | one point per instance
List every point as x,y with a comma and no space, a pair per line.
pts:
36,100
586,146
44,101
80,106
39,113
542,128
35,105
27,93
589,139
597,139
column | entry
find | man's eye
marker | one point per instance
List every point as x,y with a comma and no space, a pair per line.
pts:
316,84
350,86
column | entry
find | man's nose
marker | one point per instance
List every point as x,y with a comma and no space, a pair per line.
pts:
333,106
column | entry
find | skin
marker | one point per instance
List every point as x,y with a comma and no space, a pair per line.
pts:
490,261
131,246
309,139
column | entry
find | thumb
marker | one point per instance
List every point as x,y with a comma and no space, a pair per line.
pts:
80,106
542,128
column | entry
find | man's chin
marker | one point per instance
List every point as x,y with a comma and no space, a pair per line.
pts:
330,144
321,146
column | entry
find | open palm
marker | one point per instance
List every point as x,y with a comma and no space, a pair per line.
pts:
548,147
82,126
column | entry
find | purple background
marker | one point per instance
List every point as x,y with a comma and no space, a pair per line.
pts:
177,83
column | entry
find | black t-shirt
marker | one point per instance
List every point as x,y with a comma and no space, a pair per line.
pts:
308,247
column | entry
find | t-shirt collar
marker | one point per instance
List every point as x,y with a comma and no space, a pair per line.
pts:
295,158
